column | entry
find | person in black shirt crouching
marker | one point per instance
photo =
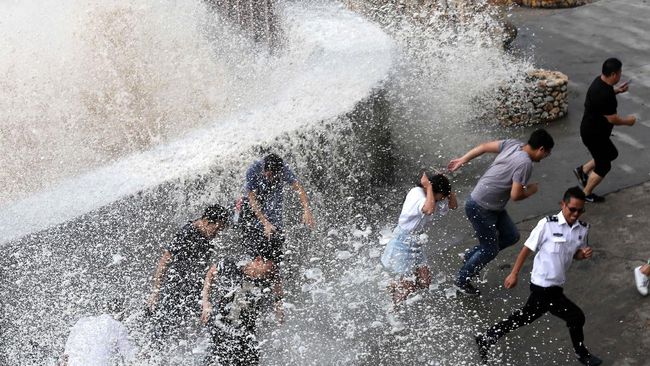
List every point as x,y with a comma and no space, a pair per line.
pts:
234,295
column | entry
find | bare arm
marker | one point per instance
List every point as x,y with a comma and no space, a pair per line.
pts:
161,269
429,203
519,192
617,120
487,147
307,217
206,305
257,210
511,280
453,202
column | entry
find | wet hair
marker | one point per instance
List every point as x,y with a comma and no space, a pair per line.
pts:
573,192
439,183
216,214
611,66
274,164
541,138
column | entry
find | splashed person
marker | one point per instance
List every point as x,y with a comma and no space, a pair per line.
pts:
598,120
100,340
234,294
558,240
403,253
262,207
506,179
179,275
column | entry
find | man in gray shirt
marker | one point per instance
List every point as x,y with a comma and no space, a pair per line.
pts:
507,178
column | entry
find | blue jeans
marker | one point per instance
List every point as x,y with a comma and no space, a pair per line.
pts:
495,231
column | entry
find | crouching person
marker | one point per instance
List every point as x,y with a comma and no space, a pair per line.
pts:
234,295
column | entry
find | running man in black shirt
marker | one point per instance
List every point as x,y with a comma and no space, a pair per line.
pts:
178,279
598,120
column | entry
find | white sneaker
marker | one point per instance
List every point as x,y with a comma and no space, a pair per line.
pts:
641,281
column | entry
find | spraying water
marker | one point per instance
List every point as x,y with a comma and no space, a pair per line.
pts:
124,98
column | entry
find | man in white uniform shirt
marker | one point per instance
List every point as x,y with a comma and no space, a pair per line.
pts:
99,341
558,240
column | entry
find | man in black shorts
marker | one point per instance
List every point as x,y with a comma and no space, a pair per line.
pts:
598,120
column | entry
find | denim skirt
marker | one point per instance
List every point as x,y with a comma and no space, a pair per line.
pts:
403,253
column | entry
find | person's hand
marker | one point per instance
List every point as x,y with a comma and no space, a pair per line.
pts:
455,164
206,312
511,281
424,180
631,119
268,229
308,219
587,252
623,88
532,188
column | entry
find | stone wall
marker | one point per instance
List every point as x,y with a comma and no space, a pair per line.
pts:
552,3
543,98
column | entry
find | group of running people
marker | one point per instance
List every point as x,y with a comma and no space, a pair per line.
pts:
233,291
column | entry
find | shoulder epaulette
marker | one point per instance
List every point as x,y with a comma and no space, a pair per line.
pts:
583,223
552,218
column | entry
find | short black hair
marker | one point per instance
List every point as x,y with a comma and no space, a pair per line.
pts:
573,192
274,164
611,66
439,183
216,214
541,138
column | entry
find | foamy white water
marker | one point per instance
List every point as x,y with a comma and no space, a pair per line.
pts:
333,59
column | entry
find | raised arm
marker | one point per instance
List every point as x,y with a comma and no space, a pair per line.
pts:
453,201
161,269
307,217
486,147
429,204
511,280
206,305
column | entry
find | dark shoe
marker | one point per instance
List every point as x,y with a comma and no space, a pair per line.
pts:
582,176
594,198
467,289
589,360
483,347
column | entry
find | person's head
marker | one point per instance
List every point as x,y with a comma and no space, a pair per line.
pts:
439,184
612,70
114,307
273,166
260,268
573,204
541,143
215,219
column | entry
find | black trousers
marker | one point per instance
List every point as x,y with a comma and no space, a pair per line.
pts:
541,301
233,350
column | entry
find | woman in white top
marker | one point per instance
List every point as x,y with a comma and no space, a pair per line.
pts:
403,254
